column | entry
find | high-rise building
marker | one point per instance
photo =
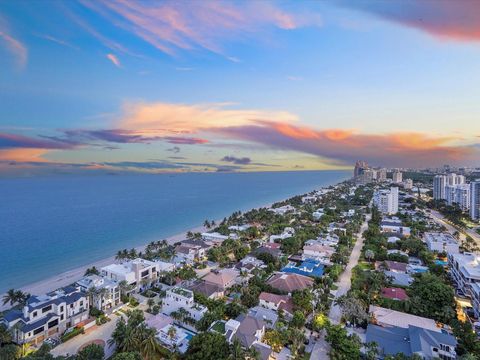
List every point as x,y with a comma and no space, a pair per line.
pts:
360,167
439,183
387,200
459,195
454,179
475,200
397,177
408,184
382,175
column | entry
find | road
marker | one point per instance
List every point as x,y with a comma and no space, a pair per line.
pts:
103,332
345,280
439,218
321,348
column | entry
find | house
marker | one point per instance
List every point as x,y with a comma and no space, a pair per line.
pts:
269,248
134,272
413,340
394,293
392,318
174,337
397,252
317,215
289,282
47,315
393,225
106,292
282,210
288,232
398,278
309,199
441,242
211,291
314,249
309,267
276,302
265,351
163,266
214,237
393,239
250,263
239,227
250,330
392,266
177,298
269,317
223,279
192,250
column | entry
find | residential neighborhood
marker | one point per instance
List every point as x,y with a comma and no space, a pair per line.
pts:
357,270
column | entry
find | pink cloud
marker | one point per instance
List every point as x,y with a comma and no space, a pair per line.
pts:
13,45
445,19
173,25
114,59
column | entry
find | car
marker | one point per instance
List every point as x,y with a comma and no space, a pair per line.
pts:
52,342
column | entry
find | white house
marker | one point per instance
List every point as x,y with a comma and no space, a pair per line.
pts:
239,227
177,298
214,237
191,250
288,232
106,292
132,271
317,215
282,210
441,242
47,315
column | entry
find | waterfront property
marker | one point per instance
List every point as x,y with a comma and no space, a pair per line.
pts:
48,315
104,293
134,272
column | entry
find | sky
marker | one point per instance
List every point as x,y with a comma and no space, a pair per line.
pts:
176,86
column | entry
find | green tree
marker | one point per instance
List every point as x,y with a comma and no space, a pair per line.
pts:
127,356
298,319
342,345
91,352
208,346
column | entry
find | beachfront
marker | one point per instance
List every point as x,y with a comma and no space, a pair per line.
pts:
296,267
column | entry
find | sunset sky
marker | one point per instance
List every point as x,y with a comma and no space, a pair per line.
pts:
237,86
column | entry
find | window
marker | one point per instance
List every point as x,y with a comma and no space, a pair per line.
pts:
145,273
46,308
61,308
81,303
61,317
34,314
38,331
53,323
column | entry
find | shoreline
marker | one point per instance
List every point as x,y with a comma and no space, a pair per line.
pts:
70,276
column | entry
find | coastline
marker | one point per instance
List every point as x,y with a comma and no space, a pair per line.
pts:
68,277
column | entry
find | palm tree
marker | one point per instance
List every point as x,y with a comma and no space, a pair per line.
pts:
10,296
172,332
236,351
149,347
92,293
5,335
369,255
150,303
206,224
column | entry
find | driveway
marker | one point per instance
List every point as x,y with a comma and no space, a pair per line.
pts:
345,280
95,333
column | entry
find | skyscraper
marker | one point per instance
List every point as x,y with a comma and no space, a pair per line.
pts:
475,200
439,183
360,167
387,200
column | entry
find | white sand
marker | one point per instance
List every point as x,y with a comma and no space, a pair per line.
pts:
69,277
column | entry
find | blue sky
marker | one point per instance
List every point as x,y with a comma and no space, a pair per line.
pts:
203,86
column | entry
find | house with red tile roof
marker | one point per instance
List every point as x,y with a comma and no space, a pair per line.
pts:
289,282
394,293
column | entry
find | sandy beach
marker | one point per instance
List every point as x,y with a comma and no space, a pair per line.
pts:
69,277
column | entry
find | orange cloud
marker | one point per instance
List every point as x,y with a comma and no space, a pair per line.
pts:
23,155
114,59
159,119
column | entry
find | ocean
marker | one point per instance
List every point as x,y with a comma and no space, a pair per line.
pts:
49,225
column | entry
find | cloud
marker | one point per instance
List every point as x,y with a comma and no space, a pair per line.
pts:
174,149
444,19
9,141
164,119
13,45
184,140
22,155
170,26
238,161
57,41
114,59
343,147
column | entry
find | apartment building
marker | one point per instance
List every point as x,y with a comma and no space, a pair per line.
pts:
465,271
441,242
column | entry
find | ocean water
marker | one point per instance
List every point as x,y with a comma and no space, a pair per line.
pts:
49,225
